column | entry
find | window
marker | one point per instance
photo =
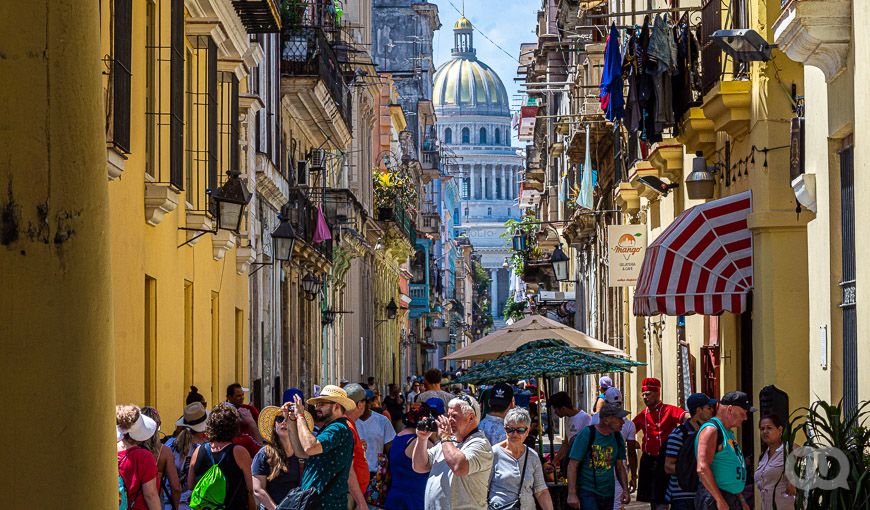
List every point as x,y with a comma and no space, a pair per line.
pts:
202,145
228,132
498,188
150,319
215,347
176,97
497,136
466,135
448,136
188,333
489,211
122,24
482,136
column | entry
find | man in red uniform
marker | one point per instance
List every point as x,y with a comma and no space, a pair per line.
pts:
656,422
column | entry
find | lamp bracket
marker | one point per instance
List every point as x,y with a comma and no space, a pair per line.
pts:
201,233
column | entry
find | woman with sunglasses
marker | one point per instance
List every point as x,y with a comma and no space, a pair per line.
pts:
275,467
517,475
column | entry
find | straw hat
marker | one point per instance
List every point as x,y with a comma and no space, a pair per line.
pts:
266,421
334,394
194,417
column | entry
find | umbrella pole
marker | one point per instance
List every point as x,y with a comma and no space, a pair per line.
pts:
549,416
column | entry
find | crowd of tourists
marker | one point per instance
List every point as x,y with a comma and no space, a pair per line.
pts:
426,448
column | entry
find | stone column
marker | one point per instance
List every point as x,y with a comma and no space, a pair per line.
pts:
468,171
55,263
490,174
493,273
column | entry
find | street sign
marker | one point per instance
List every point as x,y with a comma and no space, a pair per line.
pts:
626,247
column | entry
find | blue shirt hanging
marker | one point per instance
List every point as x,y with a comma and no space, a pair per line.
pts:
612,100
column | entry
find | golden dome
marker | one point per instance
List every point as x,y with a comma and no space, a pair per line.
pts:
469,83
462,24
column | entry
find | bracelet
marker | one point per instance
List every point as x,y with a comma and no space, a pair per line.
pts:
448,439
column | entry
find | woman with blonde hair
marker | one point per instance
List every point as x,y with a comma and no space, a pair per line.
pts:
136,465
275,468
192,434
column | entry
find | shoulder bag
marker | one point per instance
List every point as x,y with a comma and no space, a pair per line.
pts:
517,504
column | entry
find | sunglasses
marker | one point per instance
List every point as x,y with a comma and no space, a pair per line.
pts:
518,430
279,418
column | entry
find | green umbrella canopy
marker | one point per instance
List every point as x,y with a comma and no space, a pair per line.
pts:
553,358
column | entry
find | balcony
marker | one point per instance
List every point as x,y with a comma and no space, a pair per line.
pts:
816,33
259,16
312,84
431,164
402,221
302,214
431,220
419,296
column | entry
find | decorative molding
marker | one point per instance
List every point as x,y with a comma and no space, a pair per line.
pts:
816,33
199,221
627,198
667,156
727,105
114,162
271,186
222,241
211,27
697,132
245,256
160,198
643,169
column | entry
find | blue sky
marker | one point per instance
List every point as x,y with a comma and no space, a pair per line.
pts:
507,22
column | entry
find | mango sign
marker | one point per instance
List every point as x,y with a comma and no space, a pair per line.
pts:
626,247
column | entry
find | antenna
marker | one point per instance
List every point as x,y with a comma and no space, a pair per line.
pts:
463,8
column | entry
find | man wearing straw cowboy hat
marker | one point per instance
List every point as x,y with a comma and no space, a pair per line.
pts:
330,453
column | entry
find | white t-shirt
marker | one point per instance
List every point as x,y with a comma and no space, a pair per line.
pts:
446,491
376,432
576,423
629,431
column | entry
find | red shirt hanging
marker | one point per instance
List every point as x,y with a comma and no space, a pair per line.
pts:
657,424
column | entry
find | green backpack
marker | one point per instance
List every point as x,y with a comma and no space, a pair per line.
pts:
210,491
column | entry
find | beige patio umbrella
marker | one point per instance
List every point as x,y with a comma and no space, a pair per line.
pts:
531,328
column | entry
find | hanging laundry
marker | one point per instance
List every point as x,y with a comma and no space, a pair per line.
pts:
321,231
612,100
584,198
661,52
686,88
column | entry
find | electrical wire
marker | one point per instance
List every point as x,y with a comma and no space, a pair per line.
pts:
506,52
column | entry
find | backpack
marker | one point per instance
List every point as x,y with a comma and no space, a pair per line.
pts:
210,492
687,462
563,466
124,500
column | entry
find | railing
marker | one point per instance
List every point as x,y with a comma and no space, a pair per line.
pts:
302,214
402,219
533,157
430,159
307,51
419,293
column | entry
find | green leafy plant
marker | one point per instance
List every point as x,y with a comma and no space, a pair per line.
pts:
393,189
293,12
513,309
481,314
826,425
526,226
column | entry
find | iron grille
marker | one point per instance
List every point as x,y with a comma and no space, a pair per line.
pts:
212,119
176,93
121,56
847,286
711,55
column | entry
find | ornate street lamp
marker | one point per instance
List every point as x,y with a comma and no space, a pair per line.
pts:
283,240
392,309
311,285
230,201
559,262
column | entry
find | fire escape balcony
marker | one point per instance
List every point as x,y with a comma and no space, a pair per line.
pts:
259,16
312,83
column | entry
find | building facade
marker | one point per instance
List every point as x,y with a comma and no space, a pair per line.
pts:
474,126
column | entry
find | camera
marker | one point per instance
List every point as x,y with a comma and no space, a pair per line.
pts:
429,424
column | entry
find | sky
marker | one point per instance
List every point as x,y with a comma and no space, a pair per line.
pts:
507,22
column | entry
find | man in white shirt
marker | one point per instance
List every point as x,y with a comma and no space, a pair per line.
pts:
577,420
460,465
376,431
629,433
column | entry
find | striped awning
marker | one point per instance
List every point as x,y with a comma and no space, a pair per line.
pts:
702,263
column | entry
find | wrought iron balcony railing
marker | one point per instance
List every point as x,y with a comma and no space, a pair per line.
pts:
303,216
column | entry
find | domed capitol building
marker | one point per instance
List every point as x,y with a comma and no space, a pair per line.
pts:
474,123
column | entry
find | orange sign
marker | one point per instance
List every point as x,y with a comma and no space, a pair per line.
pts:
626,248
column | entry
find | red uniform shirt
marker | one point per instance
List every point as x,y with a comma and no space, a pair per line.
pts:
360,465
657,424
137,467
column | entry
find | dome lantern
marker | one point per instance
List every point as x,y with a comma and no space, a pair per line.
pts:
463,38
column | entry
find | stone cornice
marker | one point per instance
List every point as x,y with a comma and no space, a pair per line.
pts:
727,105
816,33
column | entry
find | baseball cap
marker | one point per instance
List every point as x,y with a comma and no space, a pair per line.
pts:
501,394
697,400
437,406
613,396
605,382
739,399
370,394
355,392
608,410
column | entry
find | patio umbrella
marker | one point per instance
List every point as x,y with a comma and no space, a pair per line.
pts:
531,328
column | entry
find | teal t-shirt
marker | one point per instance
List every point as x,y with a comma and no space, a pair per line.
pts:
596,474
729,465
332,467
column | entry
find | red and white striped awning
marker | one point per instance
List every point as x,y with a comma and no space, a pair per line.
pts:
702,263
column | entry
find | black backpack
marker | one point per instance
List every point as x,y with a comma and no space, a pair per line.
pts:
687,462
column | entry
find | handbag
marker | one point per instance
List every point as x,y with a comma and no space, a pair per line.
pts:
516,504
376,492
299,499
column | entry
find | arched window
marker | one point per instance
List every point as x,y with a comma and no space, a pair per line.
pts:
482,136
497,136
466,135
448,135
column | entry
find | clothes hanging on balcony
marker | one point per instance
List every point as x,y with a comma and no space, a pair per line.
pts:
612,100
687,79
321,231
663,55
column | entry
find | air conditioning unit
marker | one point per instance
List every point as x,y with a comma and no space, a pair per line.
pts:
302,173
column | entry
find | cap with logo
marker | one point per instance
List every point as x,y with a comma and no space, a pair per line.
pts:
501,394
739,399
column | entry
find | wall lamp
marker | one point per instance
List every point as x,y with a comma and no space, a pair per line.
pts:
229,203
701,181
657,185
559,261
311,285
392,310
743,45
